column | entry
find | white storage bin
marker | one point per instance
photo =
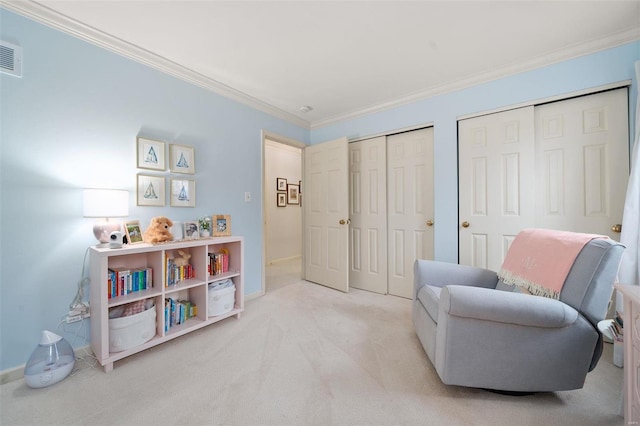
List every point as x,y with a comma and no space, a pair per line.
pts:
134,330
221,300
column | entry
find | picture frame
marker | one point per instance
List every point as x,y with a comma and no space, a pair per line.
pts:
281,184
150,190
281,199
133,232
221,225
191,230
293,194
183,193
150,154
182,159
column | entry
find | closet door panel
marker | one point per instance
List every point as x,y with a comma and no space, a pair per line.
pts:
582,163
368,214
496,177
410,194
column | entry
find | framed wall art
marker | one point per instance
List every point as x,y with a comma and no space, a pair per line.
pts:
281,199
293,194
132,229
182,159
221,225
183,193
150,190
281,184
150,154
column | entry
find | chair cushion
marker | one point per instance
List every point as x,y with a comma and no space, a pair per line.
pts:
429,296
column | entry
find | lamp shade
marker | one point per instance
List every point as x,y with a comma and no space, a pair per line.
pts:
106,203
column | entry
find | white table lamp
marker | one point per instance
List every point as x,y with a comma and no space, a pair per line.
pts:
105,204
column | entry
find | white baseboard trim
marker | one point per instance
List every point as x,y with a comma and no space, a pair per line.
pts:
284,259
253,296
11,374
17,373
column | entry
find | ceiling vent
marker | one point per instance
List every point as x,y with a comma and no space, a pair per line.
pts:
10,59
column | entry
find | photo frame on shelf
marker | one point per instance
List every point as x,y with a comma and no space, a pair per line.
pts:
293,194
182,159
151,154
133,231
221,225
150,190
191,230
281,199
281,184
183,193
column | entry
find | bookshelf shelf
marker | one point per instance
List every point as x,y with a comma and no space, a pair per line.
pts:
194,290
132,297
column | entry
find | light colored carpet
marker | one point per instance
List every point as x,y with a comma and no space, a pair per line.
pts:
301,355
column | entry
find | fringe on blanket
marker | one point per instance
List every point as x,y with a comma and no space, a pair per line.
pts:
509,278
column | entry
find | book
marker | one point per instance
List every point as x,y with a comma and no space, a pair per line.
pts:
123,281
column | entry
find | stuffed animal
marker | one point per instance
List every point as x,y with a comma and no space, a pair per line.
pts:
158,230
183,260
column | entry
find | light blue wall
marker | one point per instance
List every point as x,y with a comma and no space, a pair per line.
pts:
71,122
606,67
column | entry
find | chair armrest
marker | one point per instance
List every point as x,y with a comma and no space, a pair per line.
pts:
441,274
505,307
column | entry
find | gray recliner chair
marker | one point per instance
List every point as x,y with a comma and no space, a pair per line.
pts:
479,333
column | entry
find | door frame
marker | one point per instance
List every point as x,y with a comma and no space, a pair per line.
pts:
285,141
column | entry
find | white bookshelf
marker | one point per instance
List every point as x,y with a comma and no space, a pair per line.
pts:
153,256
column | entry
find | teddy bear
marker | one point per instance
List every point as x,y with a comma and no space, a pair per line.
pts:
183,260
158,230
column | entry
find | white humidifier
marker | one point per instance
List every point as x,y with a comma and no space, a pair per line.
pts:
50,362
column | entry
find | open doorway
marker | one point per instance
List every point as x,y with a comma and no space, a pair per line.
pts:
282,211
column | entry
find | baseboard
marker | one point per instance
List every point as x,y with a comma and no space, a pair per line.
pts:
17,373
284,259
11,374
253,296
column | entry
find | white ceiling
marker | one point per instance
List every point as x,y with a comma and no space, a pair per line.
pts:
343,58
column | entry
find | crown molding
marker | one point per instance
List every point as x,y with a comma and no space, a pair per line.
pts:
575,51
51,18
44,15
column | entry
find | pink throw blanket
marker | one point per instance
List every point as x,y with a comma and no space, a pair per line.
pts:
539,260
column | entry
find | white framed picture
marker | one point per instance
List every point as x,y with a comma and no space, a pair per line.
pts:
150,154
182,159
183,193
191,230
150,190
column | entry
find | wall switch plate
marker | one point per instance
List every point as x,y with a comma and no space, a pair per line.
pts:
247,197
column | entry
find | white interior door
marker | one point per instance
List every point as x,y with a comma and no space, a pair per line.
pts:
368,213
582,163
409,206
326,200
497,187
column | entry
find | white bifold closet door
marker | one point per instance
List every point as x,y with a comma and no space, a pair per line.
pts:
391,210
562,165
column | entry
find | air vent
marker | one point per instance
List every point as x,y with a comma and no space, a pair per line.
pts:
10,59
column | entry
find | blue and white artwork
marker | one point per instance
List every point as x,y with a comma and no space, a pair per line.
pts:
182,159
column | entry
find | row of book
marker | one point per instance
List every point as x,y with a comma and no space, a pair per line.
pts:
123,281
616,328
218,263
176,312
176,273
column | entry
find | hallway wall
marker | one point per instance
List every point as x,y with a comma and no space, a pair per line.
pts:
283,224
